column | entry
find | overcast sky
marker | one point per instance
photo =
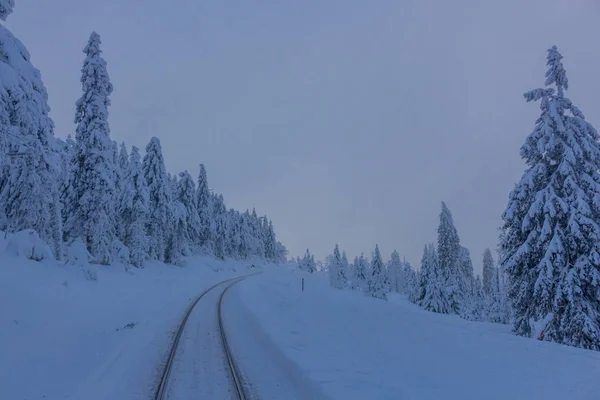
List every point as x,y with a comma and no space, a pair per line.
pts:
345,121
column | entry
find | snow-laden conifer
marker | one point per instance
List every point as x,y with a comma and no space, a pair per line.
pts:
338,277
396,279
27,134
433,294
160,213
186,195
488,272
475,309
449,260
136,211
92,212
219,230
204,208
360,273
377,279
550,242
307,263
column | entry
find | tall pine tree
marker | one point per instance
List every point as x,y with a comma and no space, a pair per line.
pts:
30,168
160,213
449,252
550,242
377,279
488,272
91,213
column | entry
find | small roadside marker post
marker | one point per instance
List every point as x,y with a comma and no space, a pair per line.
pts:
303,284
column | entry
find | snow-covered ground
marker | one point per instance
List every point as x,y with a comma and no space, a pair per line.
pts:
344,345
63,336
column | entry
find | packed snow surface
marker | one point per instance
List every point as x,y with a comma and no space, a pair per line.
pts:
64,335
345,345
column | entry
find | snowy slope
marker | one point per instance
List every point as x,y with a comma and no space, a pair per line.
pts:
349,346
65,337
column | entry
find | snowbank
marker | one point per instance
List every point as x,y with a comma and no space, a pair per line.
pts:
63,336
351,346
27,244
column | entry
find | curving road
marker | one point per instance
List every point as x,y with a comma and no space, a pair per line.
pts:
200,363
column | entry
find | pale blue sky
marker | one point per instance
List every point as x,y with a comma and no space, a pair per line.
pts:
344,121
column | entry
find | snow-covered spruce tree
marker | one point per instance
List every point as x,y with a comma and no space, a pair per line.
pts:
338,277
281,253
475,309
122,189
395,272
449,250
488,272
245,236
178,241
308,263
345,266
91,214
412,282
234,237
204,209
135,210
186,195
550,241
496,302
259,246
467,279
26,132
360,273
376,283
219,230
270,242
160,212
433,295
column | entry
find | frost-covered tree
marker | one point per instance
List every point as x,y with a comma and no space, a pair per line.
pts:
135,210
475,308
204,208
177,240
550,242
360,274
497,306
219,230
449,250
412,282
488,272
186,195
433,295
377,278
338,274
91,213
29,156
466,278
396,279
270,242
307,263
160,212
122,188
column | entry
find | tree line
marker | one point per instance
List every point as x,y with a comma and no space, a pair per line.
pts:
121,204
547,281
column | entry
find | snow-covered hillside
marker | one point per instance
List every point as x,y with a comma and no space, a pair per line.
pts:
64,336
349,346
